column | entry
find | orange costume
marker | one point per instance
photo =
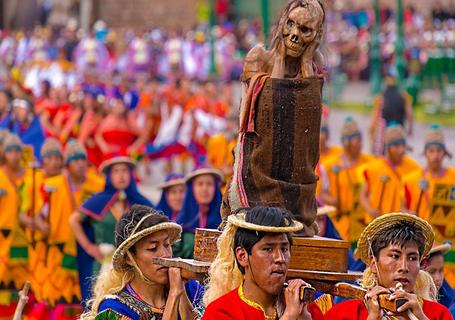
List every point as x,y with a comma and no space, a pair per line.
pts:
13,248
329,153
431,198
13,241
62,199
420,193
385,184
220,152
345,184
32,202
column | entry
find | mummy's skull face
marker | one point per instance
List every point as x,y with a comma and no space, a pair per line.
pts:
302,27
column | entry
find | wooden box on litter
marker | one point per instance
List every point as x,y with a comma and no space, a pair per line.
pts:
316,253
205,244
319,254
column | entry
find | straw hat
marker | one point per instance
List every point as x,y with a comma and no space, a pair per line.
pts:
171,181
119,258
238,220
74,150
115,160
51,147
442,248
435,137
199,172
384,222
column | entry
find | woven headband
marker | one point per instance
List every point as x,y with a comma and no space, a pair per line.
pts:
140,222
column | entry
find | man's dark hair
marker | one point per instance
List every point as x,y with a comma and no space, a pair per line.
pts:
400,234
264,216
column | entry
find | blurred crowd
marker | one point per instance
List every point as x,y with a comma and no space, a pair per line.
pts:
429,39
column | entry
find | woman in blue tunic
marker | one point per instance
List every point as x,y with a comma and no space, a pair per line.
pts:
94,222
135,288
201,207
173,192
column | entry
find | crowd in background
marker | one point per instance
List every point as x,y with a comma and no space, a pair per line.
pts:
428,40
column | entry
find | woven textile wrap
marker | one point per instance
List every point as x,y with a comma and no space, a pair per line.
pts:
278,148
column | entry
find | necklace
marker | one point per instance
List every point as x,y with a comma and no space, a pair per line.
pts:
133,292
256,305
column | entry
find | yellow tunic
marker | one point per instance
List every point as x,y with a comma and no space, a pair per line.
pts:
437,208
31,204
392,190
345,182
36,178
62,277
13,243
332,151
220,152
412,188
93,183
323,184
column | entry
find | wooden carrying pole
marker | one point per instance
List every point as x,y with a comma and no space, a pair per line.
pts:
23,298
322,273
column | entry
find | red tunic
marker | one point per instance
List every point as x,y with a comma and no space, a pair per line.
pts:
356,310
119,133
232,307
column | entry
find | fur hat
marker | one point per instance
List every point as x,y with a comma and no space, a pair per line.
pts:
435,137
394,134
12,141
74,150
50,147
350,129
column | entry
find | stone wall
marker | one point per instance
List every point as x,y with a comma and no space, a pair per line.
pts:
147,13
19,14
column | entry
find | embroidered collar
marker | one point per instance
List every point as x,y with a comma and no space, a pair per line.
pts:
256,305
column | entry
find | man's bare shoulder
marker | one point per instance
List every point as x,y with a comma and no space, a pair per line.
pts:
255,62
